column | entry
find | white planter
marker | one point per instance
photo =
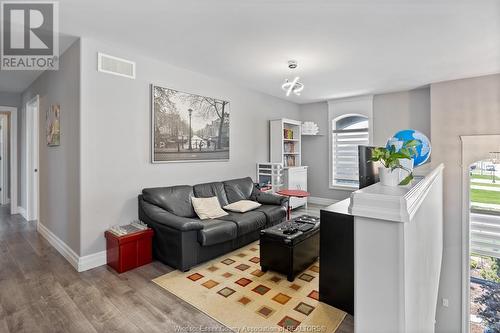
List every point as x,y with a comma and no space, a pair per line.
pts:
388,177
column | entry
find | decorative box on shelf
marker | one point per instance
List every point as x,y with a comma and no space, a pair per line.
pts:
128,247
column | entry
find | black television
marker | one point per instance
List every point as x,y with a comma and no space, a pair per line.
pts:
368,170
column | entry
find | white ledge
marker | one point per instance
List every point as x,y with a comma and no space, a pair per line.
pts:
397,204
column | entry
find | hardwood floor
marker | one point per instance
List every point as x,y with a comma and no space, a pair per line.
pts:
41,292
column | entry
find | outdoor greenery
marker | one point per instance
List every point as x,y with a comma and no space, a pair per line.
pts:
489,177
389,157
487,267
486,184
484,196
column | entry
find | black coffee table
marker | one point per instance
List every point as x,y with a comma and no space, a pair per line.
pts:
290,254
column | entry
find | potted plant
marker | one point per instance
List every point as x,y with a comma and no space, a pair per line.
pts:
394,160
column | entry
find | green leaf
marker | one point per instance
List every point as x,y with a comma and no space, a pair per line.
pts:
389,157
400,155
407,180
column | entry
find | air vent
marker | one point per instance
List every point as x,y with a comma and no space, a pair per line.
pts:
116,66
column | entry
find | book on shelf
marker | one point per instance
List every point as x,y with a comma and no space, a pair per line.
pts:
289,147
289,161
287,133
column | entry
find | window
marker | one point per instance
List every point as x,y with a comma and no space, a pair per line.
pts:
348,132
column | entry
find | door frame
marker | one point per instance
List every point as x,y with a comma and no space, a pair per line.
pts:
12,111
32,159
474,148
4,158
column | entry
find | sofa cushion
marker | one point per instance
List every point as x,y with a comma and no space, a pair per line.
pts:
217,231
274,214
207,208
246,222
238,189
242,206
208,190
174,199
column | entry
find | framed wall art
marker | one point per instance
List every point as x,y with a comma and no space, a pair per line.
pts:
53,121
188,127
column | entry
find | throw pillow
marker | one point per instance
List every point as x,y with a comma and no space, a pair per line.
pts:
242,206
207,208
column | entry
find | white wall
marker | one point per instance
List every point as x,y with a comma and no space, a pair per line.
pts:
401,110
391,112
315,153
115,129
10,99
461,107
59,167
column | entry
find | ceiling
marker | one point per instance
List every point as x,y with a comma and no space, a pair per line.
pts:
344,48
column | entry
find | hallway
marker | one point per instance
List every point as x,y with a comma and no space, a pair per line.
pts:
41,292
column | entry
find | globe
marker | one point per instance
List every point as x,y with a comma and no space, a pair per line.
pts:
423,148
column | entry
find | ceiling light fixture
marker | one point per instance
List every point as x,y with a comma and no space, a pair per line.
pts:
294,86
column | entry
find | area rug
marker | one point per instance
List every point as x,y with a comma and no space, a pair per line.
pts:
235,292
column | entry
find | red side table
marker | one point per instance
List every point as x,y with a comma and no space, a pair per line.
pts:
293,193
129,251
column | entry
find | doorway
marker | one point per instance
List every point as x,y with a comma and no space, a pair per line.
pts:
4,159
32,158
480,233
11,162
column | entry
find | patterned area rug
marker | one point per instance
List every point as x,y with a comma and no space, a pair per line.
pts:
234,291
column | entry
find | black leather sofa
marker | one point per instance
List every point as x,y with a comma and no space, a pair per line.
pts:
182,240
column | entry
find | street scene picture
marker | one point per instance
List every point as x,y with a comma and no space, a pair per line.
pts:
189,127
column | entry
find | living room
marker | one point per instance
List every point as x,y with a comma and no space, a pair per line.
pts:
428,67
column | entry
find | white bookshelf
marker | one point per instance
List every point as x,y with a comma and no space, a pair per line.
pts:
286,150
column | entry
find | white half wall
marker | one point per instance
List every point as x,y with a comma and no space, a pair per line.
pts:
115,146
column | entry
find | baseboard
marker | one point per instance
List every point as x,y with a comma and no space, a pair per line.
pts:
58,244
321,201
79,263
22,212
92,261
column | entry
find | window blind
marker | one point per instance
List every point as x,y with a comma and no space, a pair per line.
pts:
345,154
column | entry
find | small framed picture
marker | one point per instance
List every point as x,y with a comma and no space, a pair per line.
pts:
53,121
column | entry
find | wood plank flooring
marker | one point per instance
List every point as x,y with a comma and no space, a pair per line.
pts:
41,292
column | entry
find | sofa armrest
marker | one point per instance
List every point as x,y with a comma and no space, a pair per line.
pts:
161,216
269,198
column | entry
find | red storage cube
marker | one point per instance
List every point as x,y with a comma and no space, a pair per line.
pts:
128,251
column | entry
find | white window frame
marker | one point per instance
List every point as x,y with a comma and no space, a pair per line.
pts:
338,108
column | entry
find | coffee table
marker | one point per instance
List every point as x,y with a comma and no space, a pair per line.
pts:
290,254
293,193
